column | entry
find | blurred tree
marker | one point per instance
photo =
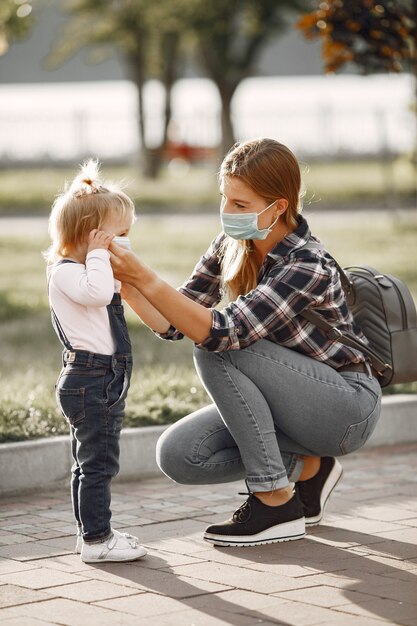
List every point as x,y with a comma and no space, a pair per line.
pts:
15,21
229,37
146,34
225,36
374,35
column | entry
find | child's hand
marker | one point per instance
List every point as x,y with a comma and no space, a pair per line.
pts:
98,239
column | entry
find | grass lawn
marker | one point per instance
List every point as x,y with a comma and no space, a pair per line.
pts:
373,183
164,386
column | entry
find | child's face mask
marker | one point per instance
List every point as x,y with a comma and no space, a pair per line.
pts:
122,241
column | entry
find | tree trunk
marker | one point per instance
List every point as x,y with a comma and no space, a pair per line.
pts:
137,72
154,156
226,83
170,47
152,159
228,134
169,74
414,157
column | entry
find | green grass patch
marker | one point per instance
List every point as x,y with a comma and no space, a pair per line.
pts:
158,395
164,386
350,183
197,191
383,183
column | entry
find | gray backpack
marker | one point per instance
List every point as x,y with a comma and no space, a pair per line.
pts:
384,309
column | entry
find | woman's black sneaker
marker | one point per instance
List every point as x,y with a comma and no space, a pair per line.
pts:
255,523
315,492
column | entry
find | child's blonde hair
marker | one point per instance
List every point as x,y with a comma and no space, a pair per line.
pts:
84,205
272,171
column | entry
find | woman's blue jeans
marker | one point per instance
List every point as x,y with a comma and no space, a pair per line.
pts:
272,406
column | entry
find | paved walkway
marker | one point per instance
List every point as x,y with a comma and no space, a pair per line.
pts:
359,568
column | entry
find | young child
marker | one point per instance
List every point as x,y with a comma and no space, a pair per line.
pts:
97,361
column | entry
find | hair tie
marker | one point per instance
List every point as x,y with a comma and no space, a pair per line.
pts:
93,187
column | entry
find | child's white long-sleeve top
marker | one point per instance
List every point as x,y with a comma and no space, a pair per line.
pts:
79,295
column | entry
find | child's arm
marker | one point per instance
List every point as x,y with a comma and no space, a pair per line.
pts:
92,284
144,309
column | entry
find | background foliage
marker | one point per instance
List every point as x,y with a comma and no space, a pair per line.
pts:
375,35
16,20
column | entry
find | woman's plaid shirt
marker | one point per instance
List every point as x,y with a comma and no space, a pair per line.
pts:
291,279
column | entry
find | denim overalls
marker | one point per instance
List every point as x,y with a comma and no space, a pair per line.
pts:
91,391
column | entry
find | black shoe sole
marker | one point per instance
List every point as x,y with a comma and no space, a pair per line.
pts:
288,531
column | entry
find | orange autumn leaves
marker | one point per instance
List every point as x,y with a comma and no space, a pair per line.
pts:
374,34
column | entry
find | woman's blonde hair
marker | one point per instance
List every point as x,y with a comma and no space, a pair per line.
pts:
84,205
272,171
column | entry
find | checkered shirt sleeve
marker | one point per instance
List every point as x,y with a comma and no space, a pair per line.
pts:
291,279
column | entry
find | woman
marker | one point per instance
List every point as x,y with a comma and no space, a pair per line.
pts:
286,398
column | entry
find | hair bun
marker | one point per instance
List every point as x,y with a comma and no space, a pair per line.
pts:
88,180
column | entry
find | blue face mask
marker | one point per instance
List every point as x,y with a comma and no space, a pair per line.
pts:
245,225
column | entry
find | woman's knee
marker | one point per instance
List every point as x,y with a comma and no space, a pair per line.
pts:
182,451
174,454
170,454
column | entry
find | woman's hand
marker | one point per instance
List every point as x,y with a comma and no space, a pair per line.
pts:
126,265
168,306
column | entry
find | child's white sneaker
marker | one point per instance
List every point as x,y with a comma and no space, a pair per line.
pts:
118,547
79,544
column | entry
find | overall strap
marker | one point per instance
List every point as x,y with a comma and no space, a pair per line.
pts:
55,321
118,325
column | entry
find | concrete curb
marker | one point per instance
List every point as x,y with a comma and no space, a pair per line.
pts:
46,463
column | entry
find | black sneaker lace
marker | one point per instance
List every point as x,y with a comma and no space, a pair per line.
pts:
243,512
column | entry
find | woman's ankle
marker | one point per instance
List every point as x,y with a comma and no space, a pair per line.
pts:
275,497
311,467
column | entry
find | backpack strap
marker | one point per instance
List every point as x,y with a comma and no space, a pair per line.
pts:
344,337
344,278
